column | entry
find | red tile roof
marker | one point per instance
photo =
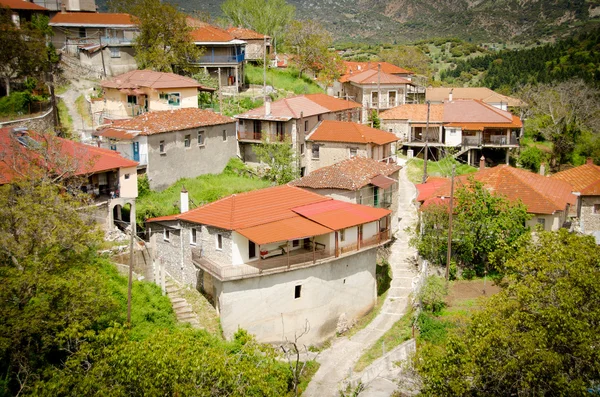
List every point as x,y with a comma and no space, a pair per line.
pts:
584,179
540,194
353,68
426,190
92,19
351,174
209,33
80,159
21,5
344,131
278,213
415,113
246,34
374,77
149,78
168,120
440,94
306,105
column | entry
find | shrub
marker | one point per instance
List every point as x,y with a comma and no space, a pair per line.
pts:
432,329
15,103
531,158
382,274
433,293
143,185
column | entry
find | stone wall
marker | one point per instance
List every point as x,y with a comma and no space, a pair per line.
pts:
590,221
42,123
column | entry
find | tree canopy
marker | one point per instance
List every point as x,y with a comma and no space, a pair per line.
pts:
270,17
538,336
309,41
279,160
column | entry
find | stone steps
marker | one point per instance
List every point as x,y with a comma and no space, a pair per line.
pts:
183,310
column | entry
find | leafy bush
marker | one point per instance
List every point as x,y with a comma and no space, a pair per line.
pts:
432,329
15,103
143,185
531,158
433,294
382,274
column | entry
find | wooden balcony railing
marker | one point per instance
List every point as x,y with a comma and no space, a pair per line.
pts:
258,136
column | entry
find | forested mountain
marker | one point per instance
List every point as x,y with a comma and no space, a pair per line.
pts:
410,20
577,57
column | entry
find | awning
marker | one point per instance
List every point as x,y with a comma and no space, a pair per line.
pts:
432,124
284,230
382,181
338,215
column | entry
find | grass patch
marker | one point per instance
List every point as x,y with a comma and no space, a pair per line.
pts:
441,168
82,109
66,121
61,89
202,189
400,332
207,315
282,79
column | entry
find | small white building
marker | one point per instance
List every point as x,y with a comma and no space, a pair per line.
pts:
275,259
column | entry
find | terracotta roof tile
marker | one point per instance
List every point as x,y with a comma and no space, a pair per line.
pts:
170,120
374,77
91,19
426,190
440,94
338,215
21,5
351,174
415,113
353,68
209,33
584,179
246,34
344,131
307,105
81,159
540,194
149,78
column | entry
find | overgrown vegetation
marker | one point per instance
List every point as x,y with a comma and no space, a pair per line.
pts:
282,79
442,168
82,109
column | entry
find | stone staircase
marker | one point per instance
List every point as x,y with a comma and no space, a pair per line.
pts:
183,310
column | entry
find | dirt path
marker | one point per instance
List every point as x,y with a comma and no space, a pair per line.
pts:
337,361
77,88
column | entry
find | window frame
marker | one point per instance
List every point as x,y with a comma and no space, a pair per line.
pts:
342,235
305,125
162,147
172,95
224,135
187,141
193,236
201,140
315,149
115,52
596,209
166,235
219,241
355,150
298,291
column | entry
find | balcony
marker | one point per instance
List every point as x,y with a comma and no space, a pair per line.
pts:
306,256
490,140
383,104
219,59
258,136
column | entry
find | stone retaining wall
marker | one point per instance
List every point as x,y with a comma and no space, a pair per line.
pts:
40,123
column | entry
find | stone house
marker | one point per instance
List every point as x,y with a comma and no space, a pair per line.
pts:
290,120
22,11
140,91
174,144
223,56
333,141
109,178
548,200
358,180
273,259
257,44
470,127
585,185
55,6
437,95
102,42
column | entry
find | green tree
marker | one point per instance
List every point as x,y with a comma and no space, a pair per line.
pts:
538,336
270,17
309,41
408,57
374,119
279,159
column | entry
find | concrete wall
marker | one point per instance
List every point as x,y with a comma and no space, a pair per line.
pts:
453,136
552,222
179,161
589,221
398,127
128,182
115,102
331,153
267,308
113,64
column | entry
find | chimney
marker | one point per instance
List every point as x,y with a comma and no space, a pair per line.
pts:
267,106
590,161
450,95
63,8
184,204
482,163
543,169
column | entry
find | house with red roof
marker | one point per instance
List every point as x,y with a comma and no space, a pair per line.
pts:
140,91
483,94
469,127
174,144
585,185
548,200
257,44
358,180
273,259
332,141
223,55
101,41
290,120
22,11
109,178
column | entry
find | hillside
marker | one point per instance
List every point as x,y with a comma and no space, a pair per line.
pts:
410,20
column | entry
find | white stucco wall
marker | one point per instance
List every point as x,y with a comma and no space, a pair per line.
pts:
453,136
552,222
116,102
128,182
266,306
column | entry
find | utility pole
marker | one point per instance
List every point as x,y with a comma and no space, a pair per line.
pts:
378,87
265,67
130,283
426,144
102,56
449,253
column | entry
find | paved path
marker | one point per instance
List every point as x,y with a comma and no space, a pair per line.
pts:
77,87
337,361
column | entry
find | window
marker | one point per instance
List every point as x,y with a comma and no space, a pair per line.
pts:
302,171
113,147
166,234
353,152
360,199
115,52
201,138
542,221
193,237
295,243
82,32
315,151
187,140
301,148
163,96
131,99
280,131
161,147
126,176
224,135
251,249
343,235
174,98
305,125
596,208
320,117
338,117
374,98
297,291
219,238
